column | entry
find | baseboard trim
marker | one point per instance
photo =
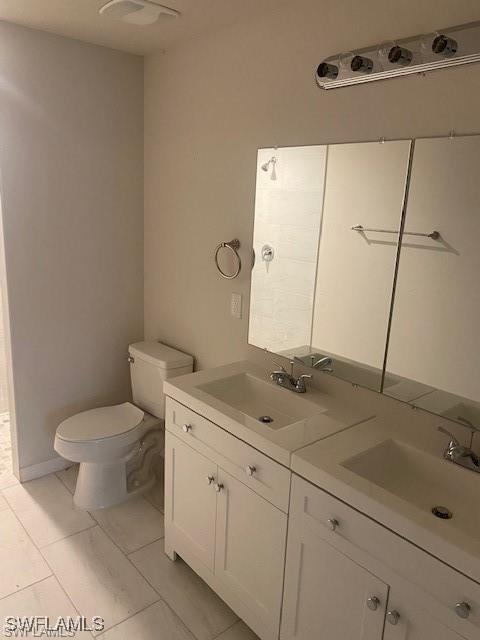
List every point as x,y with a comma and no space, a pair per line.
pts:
43,468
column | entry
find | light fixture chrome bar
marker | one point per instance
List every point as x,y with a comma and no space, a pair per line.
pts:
434,235
461,45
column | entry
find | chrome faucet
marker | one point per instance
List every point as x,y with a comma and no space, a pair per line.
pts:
288,380
324,364
458,454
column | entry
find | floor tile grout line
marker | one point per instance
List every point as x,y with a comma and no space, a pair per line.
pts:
141,575
227,629
97,525
70,535
63,482
127,556
127,553
171,607
52,572
94,525
27,586
156,590
152,604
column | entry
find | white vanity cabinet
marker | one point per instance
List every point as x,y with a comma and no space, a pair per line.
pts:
412,620
218,521
349,577
191,504
328,596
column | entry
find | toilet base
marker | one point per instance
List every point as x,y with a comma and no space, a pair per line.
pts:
100,486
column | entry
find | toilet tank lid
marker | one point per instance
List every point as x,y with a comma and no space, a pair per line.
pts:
160,355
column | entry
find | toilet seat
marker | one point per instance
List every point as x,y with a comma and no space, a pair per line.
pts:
101,423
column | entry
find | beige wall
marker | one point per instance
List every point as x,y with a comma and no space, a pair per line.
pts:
71,153
213,101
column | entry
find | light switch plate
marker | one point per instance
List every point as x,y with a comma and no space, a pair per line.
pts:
236,306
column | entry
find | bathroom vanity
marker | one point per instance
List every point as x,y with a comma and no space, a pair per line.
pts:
313,521
301,525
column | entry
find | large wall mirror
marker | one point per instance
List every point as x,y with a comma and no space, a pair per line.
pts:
435,338
336,285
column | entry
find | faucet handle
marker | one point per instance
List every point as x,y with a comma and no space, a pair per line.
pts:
280,367
453,440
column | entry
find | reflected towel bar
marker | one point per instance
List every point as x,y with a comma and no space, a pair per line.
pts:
434,235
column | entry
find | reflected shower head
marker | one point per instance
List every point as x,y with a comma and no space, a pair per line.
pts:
266,165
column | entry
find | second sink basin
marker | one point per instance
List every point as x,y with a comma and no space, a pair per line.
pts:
422,480
262,401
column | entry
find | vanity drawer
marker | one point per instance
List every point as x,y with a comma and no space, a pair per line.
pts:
259,472
392,558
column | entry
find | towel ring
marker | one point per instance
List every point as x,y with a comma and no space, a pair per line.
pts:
233,245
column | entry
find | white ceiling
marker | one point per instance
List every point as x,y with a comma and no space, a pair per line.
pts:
80,19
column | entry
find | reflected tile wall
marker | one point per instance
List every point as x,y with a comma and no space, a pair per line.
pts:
288,214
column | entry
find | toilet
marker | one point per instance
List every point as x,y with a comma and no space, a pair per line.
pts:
118,446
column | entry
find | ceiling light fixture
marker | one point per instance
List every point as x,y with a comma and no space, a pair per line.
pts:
139,12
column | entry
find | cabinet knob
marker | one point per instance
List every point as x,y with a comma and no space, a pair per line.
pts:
250,469
218,487
393,617
462,609
187,428
210,479
373,603
332,524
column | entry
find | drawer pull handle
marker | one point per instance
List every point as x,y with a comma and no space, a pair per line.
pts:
373,603
210,479
187,428
218,487
462,609
393,617
332,524
250,469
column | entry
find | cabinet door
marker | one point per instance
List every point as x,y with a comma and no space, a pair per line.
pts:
190,501
412,621
250,554
327,594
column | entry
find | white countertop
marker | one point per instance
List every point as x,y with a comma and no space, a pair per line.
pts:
278,444
323,464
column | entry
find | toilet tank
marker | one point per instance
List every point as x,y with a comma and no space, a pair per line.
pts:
150,364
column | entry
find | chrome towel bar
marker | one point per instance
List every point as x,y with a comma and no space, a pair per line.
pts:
434,235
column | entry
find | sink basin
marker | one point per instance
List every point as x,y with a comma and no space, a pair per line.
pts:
423,480
261,401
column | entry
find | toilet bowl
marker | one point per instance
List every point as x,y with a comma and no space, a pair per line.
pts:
114,444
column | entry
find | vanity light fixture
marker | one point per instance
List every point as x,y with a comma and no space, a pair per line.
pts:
444,46
449,47
139,12
360,64
326,70
400,55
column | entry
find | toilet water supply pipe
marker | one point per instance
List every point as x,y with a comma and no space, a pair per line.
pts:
151,445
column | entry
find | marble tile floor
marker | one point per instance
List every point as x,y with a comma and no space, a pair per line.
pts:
56,560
